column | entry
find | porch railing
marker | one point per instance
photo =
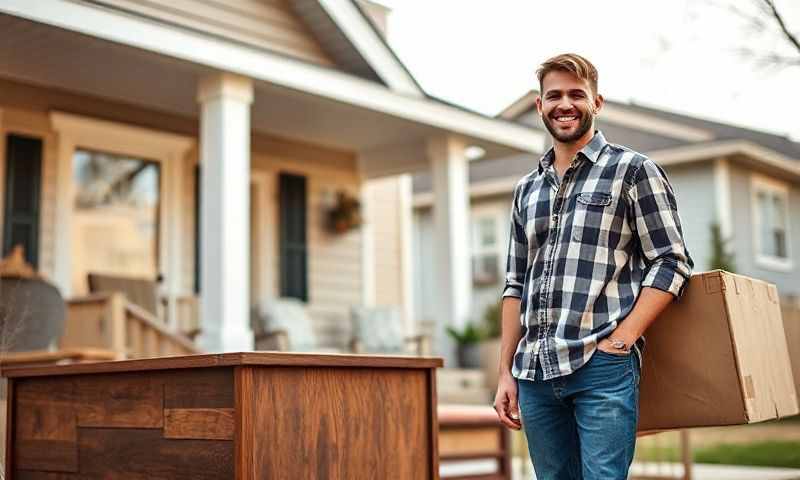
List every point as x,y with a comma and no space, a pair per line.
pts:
109,321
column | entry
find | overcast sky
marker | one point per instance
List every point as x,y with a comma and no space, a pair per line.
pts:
678,55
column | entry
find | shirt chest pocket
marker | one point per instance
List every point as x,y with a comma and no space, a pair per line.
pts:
591,217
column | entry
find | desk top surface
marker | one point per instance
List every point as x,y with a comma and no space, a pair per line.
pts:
264,359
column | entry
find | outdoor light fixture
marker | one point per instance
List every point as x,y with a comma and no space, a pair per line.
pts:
474,152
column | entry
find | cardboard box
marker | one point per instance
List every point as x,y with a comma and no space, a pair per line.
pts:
717,356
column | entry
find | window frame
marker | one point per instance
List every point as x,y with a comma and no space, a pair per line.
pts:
170,150
773,188
498,216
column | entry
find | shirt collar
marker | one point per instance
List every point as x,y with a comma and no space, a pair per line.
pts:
591,151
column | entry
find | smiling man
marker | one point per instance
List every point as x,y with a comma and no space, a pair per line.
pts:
596,253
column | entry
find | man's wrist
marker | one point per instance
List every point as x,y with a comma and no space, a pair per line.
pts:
622,340
506,373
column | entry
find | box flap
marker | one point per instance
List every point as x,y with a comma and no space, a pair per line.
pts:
762,353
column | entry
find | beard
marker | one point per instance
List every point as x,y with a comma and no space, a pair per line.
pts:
584,126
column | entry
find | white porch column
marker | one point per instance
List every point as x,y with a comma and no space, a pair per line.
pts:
225,212
452,240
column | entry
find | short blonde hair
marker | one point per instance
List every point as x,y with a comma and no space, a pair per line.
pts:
572,63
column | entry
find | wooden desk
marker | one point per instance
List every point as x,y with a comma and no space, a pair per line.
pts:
258,415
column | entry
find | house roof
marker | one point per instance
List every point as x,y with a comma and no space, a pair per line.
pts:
350,37
664,135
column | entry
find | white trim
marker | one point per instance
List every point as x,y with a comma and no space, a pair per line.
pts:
366,40
722,183
486,188
620,115
270,67
761,183
406,253
169,149
695,153
667,157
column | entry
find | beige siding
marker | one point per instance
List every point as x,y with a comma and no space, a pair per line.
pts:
334,260
269,24
334,263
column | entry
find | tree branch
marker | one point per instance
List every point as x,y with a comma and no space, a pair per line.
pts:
778,18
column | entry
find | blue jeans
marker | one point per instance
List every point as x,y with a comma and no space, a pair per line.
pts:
583,426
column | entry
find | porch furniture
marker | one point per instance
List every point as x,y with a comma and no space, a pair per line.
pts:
31,309
238,415
470,433
284,325
143,293
381,330
110,321
139,291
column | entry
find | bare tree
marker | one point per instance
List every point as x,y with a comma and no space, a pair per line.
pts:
767,20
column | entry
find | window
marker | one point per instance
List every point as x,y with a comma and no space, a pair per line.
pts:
771,223
23,185
293,238
485,250
115,217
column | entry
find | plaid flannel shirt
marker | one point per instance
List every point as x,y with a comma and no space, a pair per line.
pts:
581,249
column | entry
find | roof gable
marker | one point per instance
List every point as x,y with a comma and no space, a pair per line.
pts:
349,37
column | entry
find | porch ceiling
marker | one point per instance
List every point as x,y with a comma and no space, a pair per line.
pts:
48,56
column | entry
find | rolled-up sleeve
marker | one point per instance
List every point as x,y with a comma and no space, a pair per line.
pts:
517,261
656,223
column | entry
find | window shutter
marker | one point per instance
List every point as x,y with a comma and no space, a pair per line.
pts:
23,186
293,245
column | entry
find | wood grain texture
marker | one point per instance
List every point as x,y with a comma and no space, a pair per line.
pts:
230,359
127,454
122,401
204,388
10,425
110,425
244,434
433,433
342,423
47,455
39,475
45,431
199,423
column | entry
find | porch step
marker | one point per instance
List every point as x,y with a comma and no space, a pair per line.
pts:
462,386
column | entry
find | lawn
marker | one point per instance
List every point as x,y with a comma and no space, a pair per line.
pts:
774,444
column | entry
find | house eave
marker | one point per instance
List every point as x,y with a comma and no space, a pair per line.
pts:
265,66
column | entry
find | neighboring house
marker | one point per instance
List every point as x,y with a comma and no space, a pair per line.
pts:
205,142
746,181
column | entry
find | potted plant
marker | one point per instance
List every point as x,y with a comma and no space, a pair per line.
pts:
346,213
490,345
468,340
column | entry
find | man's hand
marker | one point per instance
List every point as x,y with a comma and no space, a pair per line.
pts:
505,402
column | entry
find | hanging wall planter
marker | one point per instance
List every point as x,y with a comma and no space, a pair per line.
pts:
345,215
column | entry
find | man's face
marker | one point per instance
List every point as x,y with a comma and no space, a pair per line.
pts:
567,106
